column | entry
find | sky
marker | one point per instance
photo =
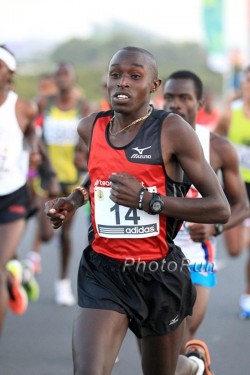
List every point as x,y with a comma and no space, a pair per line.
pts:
61,19
175,20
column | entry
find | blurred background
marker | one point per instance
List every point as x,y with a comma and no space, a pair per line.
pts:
210,37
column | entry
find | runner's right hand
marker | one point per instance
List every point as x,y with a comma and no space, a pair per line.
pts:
58,210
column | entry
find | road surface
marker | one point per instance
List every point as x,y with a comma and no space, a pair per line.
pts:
39,342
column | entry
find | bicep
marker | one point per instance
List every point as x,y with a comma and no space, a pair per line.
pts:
30,130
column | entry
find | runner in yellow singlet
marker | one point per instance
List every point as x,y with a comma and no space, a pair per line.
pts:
61,114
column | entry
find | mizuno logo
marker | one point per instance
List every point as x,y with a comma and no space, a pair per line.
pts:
173,321
141,150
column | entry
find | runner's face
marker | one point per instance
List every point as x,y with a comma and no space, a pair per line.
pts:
64,78
130,80
180,97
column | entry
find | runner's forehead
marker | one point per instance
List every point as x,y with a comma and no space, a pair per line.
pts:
130,58
179,86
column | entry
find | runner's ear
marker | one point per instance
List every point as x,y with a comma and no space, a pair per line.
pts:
155,84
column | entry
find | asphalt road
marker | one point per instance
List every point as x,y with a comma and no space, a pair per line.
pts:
39,342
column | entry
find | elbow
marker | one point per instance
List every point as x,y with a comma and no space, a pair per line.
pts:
224,213
243,210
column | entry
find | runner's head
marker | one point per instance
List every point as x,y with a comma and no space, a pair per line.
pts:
7,67
182,94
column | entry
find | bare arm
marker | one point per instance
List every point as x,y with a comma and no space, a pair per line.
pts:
26,112
53,186
224,158
233,184
80,156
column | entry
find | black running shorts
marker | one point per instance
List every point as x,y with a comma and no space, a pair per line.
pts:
156,295
14,206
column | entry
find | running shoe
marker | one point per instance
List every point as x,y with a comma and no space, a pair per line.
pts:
63,293
29,282
245,306
18,299
199,349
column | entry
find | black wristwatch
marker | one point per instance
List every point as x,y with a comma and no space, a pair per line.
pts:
156,204
218,229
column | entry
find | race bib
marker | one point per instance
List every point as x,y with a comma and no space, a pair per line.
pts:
116,221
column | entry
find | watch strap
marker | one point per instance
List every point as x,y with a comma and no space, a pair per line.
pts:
218,229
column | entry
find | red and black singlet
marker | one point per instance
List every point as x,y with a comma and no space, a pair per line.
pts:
122,232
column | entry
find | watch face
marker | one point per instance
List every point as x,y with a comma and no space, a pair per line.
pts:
156,206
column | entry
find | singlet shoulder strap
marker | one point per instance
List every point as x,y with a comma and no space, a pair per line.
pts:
108,113
160,113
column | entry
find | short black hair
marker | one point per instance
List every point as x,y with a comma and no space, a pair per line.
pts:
138,49
68,65
145,52
187,74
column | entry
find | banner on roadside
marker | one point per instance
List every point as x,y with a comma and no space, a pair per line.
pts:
213,19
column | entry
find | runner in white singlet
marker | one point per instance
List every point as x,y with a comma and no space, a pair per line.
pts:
183,95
